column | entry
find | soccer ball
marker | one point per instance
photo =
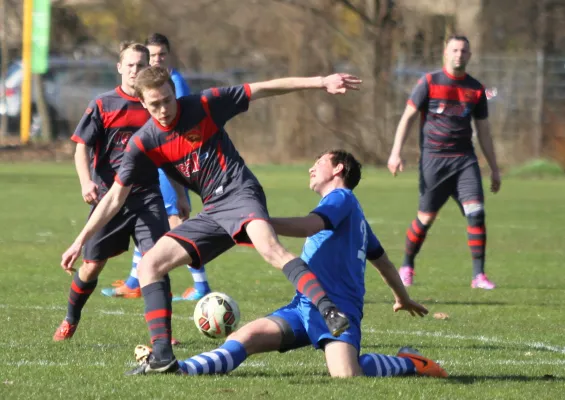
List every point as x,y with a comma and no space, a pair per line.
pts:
216,315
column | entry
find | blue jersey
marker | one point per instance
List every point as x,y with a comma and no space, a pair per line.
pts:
338,254
181,87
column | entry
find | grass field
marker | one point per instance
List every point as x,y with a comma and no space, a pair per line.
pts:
503,344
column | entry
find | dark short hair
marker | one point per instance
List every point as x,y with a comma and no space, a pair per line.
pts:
152,78
351,173
156,39
131,45
456,36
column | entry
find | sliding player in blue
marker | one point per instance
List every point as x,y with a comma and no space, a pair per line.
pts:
159,55
339,241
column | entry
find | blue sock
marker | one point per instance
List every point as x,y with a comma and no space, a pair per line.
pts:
200,279
381,365
220,361
132,282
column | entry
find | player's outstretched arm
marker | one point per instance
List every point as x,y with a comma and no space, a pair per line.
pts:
392,279
485,141
82,164
300,227
395,163
103,213
333,84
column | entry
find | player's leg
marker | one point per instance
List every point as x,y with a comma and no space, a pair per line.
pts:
433,195
192,242
263,237
201,286
407,362
470,197
83,284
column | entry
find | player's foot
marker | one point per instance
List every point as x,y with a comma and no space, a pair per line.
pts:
122,291
406,275
118,283
191,294
65,331
482,282
336,321
424,366
150,365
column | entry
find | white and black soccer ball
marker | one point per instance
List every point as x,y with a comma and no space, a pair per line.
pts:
216,315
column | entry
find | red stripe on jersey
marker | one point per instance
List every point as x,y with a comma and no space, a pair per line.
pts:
126,96
139,144
77,139
446,92
118,180
96,154
411,103
247,90
205,105
215,92
455,78
134,118
221,157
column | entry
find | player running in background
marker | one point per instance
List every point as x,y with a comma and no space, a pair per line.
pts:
159,55
339,241
447,100
188,140
101,137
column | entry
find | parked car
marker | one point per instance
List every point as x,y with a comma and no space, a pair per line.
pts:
69,85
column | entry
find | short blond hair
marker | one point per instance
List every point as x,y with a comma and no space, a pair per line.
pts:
135,46
152,78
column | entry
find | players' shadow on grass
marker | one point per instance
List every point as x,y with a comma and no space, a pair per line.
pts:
470,379
428,302
275,374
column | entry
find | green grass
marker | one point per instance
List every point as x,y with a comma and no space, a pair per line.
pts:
503,344
538,169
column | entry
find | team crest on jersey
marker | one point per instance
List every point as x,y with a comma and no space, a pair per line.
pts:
440,108
192,135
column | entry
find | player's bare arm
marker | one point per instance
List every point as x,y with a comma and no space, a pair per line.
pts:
182,202
299,227
485,141
333,84
392,279
82,164
395,163
103,213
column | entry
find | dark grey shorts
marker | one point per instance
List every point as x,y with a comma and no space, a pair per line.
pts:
221,224
144,220
441,178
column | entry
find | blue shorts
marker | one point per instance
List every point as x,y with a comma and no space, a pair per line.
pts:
309,327
169,194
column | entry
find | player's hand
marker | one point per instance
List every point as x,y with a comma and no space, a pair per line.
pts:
90,193
184,208
340,83
411,306
495,181
395,164
69,258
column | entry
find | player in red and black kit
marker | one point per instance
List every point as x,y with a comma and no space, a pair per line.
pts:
447,101
186,138
101,136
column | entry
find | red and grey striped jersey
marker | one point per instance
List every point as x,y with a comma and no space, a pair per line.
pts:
195,150
447,105
106,127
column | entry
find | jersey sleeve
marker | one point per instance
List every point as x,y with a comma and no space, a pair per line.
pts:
420,94
334,208
374,248
90,127
181,87
135,165
481,109
222,104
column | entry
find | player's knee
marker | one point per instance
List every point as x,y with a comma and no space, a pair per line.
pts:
90,270
475,214
272,252
427,218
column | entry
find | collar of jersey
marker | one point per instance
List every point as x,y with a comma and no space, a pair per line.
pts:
126,96
173,124
457,78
